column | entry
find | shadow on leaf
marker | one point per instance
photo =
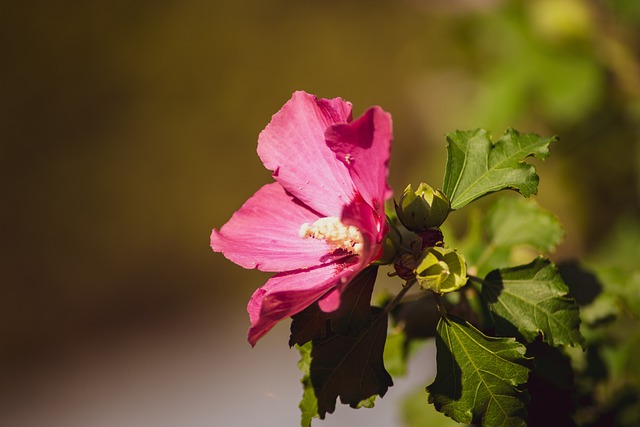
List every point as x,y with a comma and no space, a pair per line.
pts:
583,285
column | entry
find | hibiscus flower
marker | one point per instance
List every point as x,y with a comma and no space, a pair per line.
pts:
322,221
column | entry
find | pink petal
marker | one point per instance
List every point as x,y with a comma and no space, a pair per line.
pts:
331,301
364,147
371,223
293,147
286,294
264,234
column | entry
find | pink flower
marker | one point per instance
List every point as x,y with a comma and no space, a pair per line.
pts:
323,219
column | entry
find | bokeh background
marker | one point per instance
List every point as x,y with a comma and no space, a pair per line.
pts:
128,131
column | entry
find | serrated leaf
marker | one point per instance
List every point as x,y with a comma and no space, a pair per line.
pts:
309,324
530,300
515,221
480,379
369,402
350,367
354,313
476,166
308,404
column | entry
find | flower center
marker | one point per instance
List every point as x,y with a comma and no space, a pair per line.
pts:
335,233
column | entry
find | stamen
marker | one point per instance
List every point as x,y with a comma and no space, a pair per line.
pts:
335,233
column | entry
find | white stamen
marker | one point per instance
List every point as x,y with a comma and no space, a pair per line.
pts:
335,233
348,159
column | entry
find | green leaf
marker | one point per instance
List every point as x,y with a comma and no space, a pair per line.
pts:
395,360
397,351
513,231
476,166
480,379
515,221
350,367
415,412
530,300
473,243
308,404
342,351
369,402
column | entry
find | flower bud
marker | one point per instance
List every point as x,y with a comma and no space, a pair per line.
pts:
422,209
441,270
405,266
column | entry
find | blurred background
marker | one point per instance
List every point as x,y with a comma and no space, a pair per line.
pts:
128,131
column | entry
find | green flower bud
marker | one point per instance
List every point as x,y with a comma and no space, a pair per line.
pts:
422,209
441,270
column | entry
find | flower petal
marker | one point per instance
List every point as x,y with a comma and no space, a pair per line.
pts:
293,147
363,145
286,294
264,234
371,223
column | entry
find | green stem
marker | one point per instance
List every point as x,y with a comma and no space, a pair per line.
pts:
476,279
391,305
481,307
440,305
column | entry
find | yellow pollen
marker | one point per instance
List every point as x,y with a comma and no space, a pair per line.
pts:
335,233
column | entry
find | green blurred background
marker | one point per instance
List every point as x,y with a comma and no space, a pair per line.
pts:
128,131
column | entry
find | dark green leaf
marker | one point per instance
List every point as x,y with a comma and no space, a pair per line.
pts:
531,300
350,367
480,379
551,387
353,315
476,166
309,324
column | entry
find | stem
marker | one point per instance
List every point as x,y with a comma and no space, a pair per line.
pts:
397,298
439,305
475,279
479,304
